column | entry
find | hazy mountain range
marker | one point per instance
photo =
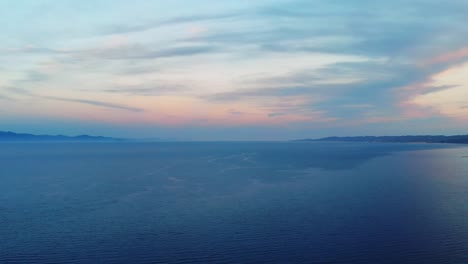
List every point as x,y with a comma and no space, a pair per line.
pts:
458,139
11,136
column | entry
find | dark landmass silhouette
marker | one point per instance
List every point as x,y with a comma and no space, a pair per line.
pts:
21,137
457,139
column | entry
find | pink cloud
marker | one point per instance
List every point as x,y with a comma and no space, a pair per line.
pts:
447,57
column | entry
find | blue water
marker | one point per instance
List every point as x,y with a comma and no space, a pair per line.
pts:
284,202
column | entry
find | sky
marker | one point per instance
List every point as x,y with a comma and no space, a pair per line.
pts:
234,70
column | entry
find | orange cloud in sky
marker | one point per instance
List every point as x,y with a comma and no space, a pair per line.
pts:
444,93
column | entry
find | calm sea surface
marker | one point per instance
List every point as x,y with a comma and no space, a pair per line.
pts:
285,202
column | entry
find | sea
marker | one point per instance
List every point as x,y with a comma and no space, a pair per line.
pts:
233,202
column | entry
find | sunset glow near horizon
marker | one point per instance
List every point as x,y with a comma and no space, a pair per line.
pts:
234,70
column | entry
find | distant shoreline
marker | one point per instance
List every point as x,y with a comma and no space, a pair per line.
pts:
6,137
23,137
456,139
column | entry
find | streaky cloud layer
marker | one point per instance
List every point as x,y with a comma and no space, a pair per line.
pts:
269,69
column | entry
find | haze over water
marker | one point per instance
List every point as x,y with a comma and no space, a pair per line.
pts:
283,202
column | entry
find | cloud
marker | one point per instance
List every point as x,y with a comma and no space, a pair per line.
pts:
32,49
4,97
25,92
260,59
123,29
33,76
146,90
95,103
358,106
442,94
257,92
369,79
19,91
350,90
140,52
449,57
276,114
138,69
123,52
371,29
235,112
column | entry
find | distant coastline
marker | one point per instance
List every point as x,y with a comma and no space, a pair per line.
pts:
457,139
23,137
26,137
